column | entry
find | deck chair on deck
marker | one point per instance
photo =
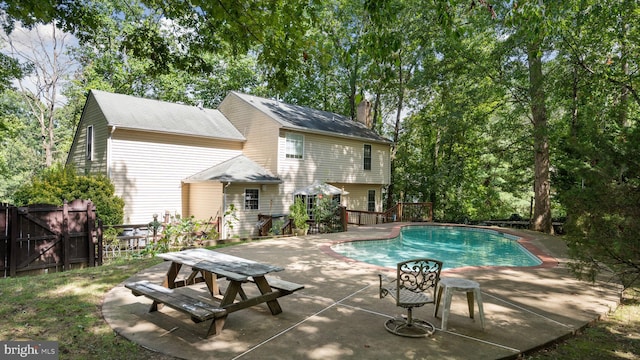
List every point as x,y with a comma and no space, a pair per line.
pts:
414,286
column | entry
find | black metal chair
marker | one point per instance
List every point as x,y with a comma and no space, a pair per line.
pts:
414,286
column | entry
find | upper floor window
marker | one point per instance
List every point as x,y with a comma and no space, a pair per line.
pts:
295,146
371,200
251,199
89,148
367,157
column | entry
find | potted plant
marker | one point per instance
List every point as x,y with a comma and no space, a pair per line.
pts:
298,213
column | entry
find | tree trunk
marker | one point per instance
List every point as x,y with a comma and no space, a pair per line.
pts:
542,187
377,119
396,136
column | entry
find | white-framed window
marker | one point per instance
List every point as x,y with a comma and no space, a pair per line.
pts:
367,157
294,146
371,200
251,199
89,147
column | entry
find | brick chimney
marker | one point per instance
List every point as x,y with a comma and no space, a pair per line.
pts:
364,114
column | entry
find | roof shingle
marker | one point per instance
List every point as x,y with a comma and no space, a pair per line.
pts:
137,113
302,118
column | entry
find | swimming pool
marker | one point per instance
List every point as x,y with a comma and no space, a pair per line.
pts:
455,246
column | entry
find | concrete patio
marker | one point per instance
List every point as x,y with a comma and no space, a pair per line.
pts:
339,314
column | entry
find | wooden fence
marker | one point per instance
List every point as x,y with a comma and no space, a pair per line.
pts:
46,238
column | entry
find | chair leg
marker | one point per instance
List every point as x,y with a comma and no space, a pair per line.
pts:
409,327
446,308
470,303
480,307
438,299
409,316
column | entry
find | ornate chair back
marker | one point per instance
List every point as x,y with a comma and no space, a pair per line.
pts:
419,276
414,286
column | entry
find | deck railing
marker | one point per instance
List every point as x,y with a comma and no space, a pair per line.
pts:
265,226
415,212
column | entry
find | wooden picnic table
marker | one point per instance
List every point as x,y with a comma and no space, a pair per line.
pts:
208,266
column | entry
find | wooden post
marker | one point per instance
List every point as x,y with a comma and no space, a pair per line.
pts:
99,244
343,217
13,241
90,228
66,249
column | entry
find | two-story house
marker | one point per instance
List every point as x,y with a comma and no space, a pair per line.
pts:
251,154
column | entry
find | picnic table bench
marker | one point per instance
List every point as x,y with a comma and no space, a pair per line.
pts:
198,310
210,266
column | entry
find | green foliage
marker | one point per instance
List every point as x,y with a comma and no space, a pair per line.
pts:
110,236
230,218
276,227
326,214
10,69
603,206
180,233
58,184
187,231
462,68
298,212
19,155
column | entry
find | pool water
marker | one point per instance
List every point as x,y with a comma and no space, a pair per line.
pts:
454,246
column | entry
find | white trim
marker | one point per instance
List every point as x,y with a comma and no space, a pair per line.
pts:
364,147
90,143
244,205
286,142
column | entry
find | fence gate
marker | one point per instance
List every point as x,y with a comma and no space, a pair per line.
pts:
45,238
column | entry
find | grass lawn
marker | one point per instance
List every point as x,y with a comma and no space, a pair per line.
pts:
615,337
66,307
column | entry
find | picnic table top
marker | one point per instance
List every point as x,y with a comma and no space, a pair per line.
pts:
215,262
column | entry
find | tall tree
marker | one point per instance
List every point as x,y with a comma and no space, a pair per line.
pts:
20,157
42,50
599,174
526,27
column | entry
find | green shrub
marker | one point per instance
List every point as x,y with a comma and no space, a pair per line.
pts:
326,214
58,184
298,212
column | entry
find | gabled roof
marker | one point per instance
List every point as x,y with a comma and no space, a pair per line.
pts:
130,112
318,187
239,169
305,119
